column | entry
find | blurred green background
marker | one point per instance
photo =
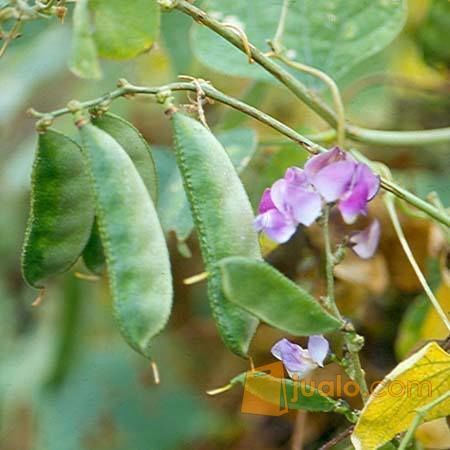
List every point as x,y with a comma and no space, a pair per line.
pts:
68,381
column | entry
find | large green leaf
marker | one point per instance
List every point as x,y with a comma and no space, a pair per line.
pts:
173,207
175,29
331,35
124,29
83,61
263,291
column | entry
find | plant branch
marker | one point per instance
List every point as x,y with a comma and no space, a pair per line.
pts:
338,438
337,100
389,200
356,133
276,41
126,89
419,418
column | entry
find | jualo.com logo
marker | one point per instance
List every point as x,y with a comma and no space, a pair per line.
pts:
266,393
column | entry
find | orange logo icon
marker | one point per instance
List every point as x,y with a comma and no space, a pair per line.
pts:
265,391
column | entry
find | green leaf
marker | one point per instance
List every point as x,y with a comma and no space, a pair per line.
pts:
223,218
330,35
266,293
124,29
173,207
83,61
136,253
61,213
175,29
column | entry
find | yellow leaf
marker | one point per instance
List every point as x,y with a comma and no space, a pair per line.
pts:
391,408
433,326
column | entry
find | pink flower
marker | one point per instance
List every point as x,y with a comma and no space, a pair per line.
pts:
330,177
338,177
289,202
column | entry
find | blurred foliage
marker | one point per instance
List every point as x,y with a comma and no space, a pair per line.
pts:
86,388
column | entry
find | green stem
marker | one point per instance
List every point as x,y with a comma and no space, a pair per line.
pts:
419,418
276,42
398,138
337,99
389,200
127,89
356,372
303,93
329,264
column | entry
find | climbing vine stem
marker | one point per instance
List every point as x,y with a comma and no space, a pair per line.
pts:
126,89
359,134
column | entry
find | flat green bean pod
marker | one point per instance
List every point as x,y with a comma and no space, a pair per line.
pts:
138,149
137,258
93,253
61,212
223,217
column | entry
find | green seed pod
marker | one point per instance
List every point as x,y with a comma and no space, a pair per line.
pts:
93,253
137,258
223,218
62,211
138,149
132,141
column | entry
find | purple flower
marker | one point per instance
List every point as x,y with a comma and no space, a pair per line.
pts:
333,176
365,242
338,177
274,223
289,202
300,362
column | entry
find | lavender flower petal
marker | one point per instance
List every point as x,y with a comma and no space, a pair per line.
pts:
276,225
322,160
266,202
295,202
318,348
366,241
295,359
371,180
334,180
306,207
354,203
296,176
363,188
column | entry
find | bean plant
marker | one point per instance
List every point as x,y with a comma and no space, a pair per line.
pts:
94,199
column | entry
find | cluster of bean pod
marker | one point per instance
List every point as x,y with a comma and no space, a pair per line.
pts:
96,201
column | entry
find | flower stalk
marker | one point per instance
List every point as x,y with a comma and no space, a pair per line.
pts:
353,363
